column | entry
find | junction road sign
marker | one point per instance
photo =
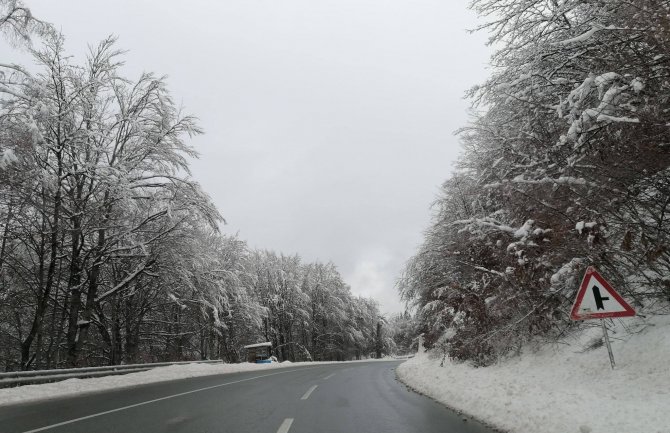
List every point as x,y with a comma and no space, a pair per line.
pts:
597,299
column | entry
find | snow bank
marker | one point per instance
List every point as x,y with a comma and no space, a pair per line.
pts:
563,389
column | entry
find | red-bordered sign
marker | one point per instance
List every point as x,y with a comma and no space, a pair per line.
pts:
597,299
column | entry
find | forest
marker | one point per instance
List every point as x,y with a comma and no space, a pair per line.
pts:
565,165
111,253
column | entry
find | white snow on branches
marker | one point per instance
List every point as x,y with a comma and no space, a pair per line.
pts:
586,35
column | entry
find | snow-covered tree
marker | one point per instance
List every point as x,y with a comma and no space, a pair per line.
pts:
565,165
18,23
110,252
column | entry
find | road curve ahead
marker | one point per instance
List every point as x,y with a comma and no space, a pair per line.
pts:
362,397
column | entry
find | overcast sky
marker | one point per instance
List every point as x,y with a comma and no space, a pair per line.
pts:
329,123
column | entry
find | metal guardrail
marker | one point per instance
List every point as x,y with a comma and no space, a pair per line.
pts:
33,377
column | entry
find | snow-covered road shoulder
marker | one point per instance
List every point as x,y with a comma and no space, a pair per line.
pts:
562,389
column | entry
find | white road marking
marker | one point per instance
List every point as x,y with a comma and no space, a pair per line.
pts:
283,428
329,376
49,427
309,392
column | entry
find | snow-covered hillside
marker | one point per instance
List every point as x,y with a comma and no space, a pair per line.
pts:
565,388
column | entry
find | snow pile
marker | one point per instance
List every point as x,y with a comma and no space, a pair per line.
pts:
563,389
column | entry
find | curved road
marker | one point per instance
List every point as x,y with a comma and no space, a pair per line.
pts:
362,397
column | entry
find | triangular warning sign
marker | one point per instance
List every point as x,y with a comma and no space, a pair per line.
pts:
596,299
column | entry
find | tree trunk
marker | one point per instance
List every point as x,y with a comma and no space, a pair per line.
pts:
74,286
379,340
43,298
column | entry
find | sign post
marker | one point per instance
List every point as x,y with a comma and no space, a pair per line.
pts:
607,342
597,299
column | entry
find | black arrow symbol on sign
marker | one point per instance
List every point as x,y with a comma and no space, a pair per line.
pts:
599,299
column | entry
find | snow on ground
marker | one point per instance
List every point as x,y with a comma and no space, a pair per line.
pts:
566,388
72,387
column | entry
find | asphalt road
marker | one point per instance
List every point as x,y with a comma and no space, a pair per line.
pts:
345,397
